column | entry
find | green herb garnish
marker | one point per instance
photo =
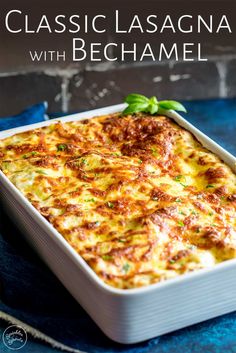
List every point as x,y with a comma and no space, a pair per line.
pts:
90,200
110,204
178,178
139,103
209,186
33,153
83,161
181,224
107,257
154,152
41,172
61,147
126,267
121,240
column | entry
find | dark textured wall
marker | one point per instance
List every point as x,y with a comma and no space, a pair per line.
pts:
70,87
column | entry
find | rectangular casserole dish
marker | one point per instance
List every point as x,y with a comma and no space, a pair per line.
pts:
133,315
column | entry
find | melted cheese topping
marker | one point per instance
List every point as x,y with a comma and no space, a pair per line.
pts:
138,197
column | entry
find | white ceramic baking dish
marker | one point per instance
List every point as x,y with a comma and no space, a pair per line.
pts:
126,316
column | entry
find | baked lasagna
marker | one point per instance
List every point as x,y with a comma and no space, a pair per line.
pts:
138,197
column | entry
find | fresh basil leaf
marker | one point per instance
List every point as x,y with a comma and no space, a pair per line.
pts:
136,98
152,108
61,147
135,108
169,105
153,100
139,103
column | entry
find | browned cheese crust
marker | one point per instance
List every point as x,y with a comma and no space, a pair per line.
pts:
138,197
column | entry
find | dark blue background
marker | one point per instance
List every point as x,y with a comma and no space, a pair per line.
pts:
30,292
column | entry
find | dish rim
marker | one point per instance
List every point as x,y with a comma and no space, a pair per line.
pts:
64,245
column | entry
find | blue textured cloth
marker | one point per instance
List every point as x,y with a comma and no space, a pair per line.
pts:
217,119
33,114
31,293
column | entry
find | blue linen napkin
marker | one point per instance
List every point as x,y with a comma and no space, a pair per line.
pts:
31,115
31,293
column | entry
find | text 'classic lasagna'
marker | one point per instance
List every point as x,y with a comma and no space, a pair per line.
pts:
138,197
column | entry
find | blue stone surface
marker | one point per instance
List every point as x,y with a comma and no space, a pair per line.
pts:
30,292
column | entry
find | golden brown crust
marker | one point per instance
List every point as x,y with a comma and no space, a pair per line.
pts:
137,197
